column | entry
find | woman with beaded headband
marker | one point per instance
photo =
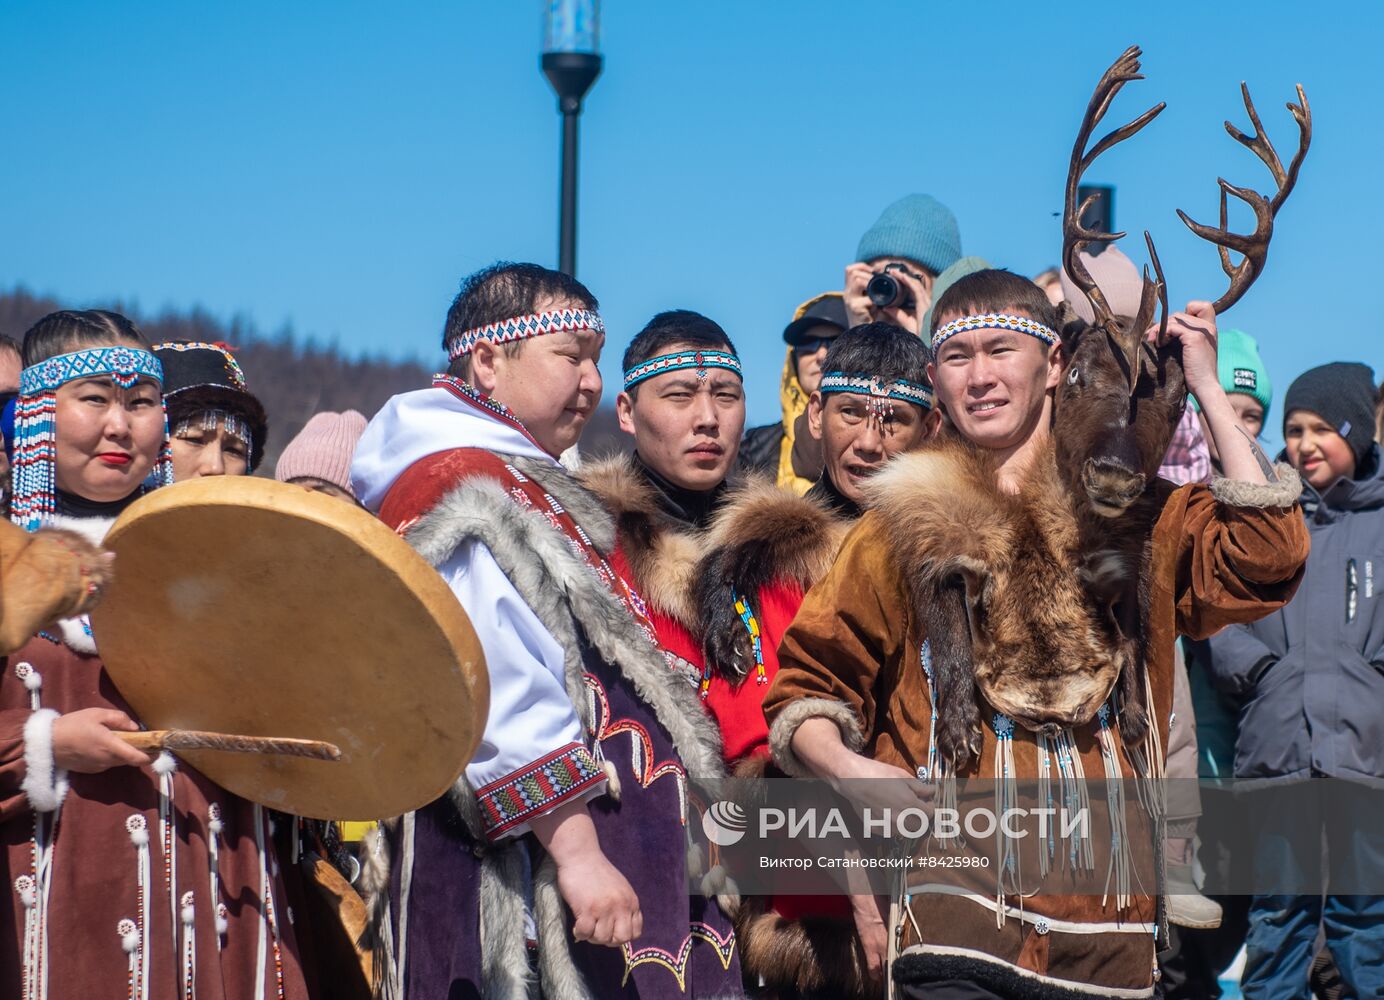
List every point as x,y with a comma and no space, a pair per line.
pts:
217,427
126,876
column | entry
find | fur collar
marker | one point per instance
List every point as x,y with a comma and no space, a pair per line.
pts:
1001,584
571,601
763,535
775,534
662,552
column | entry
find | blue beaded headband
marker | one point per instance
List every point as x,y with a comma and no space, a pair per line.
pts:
125,366
680,361
524,327
868,385
34,497
994,321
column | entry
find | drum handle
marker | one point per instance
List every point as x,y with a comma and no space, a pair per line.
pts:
156,740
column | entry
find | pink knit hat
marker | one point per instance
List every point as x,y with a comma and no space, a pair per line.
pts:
1118,279
323,450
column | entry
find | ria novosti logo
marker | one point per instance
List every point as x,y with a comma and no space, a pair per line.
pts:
724,823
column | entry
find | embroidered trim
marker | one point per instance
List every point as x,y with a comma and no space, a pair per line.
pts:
723,945
524,327
680,361
869,385
233,368
468,393
994,321
537,788
646,772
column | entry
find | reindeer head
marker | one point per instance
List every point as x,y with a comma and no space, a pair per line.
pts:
1123,393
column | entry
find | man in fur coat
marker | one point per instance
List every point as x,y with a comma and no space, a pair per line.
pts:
562,852
769,547
683,401
693,544
852,698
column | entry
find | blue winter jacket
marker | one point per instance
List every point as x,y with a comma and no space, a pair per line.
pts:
1310,677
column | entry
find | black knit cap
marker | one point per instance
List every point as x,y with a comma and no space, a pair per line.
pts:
1341,393
201,377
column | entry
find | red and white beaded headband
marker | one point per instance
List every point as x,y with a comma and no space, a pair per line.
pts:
523,327
994,321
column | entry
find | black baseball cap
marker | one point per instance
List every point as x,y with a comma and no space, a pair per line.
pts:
828,309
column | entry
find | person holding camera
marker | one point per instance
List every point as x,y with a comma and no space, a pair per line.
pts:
898,259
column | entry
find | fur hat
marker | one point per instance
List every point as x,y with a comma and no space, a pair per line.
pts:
323,450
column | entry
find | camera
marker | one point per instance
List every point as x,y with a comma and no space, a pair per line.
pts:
885,290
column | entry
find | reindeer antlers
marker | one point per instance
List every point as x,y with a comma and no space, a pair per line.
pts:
1254,247
1076,237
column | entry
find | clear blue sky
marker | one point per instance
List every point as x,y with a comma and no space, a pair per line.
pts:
340,166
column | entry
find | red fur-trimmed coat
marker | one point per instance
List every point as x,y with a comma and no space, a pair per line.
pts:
773,544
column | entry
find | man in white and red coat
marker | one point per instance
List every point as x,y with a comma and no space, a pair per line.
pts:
563,850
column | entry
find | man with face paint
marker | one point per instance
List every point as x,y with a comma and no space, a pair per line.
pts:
765,548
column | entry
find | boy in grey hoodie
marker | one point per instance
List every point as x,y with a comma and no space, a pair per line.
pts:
1310,681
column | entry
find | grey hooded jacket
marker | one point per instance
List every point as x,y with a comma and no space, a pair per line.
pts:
1310,678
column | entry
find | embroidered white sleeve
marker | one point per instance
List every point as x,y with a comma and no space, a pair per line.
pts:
44,783
531,722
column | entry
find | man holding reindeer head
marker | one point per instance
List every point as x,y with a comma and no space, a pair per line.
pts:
876,677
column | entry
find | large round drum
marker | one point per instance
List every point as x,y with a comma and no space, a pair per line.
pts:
256,608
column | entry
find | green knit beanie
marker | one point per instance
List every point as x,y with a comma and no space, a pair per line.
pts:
917,227
1241,369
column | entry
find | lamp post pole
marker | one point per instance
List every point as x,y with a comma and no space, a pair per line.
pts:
571,62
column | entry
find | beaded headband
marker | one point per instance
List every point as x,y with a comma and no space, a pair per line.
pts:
994,321
524,327
680,361
34,496
868,385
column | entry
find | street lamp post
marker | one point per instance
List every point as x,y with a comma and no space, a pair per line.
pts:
571,62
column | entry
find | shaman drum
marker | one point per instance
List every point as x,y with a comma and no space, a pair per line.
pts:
251,607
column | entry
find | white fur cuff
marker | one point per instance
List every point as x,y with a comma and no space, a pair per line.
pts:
798,712
44,783
1282,494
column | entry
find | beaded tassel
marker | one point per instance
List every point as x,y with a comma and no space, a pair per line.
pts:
34,888
936,769
34,493
134,934
751,623
214,828
188,913
1118,870
1006,798
1047,850
269,926
1075,798
164,766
